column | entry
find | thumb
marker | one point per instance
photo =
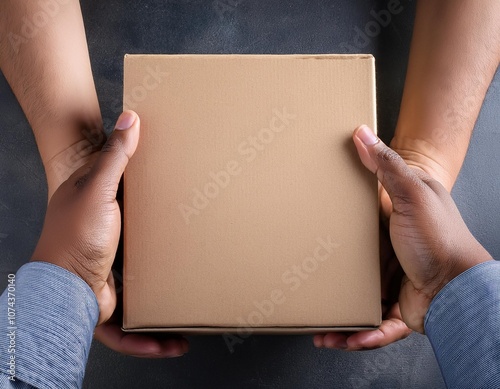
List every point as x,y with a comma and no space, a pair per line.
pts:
116,152
396,177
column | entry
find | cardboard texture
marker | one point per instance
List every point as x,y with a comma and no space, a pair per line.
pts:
246,205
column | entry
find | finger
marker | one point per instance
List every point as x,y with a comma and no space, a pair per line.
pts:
390,331
396,177
116,152
335,340
138,345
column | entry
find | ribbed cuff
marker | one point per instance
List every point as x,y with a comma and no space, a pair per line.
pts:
463,326
55,316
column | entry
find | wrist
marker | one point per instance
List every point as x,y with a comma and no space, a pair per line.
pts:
60,167
68,265
417,297
102,292
420,154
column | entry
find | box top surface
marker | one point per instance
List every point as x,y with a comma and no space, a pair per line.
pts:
245,203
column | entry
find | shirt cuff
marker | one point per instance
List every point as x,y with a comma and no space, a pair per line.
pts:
50,327
463,326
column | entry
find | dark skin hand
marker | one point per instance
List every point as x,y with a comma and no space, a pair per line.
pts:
429,237
81,234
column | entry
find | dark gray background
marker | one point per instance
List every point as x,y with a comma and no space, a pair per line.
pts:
245,26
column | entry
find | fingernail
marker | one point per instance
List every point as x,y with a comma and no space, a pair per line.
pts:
342,344
125,121
366,135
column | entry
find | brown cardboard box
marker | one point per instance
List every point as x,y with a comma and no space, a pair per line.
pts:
246,205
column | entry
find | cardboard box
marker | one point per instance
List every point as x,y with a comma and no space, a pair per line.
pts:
246,205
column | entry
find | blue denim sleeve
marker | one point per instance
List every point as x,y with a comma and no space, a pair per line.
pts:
463,326
46,330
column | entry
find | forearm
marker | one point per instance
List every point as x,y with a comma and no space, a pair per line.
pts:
455,52
44,57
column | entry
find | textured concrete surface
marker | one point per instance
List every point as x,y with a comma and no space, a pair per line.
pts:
246,26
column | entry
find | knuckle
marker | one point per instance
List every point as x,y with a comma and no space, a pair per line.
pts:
387,155
82,178
403,198
81,181
116,145
113,144
397,328
391,325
